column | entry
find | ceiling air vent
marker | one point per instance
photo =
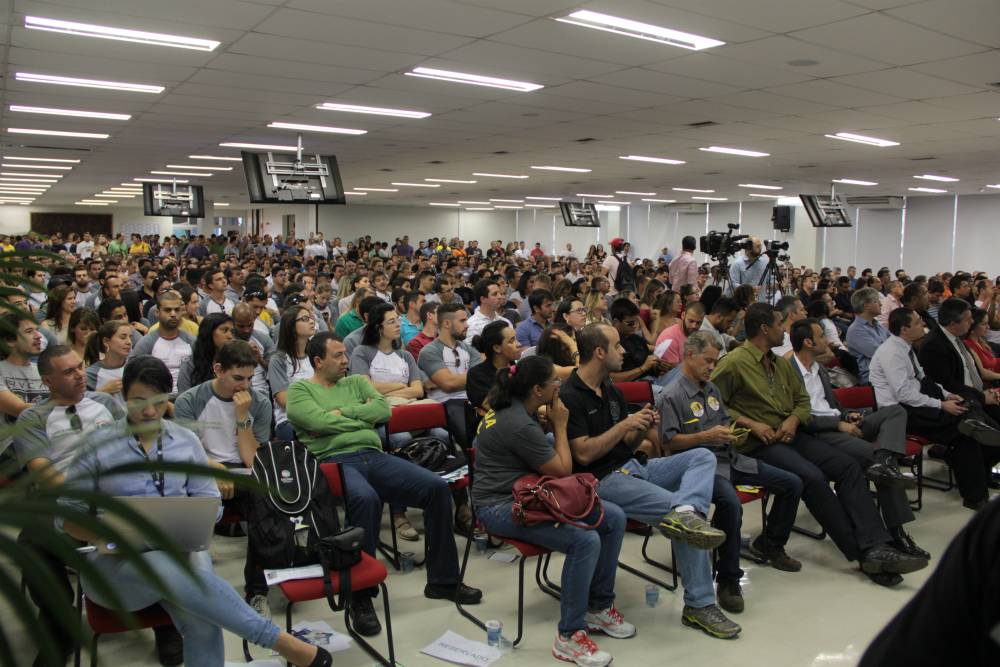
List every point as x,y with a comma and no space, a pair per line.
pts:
876,202
703,123
583,141
436,162
918,159
499,152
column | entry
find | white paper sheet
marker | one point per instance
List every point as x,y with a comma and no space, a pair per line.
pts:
273,577
456,648
318,633
661,349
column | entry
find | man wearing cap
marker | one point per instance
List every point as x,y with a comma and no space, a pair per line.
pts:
612,262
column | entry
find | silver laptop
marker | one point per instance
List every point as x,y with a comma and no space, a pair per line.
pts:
189,521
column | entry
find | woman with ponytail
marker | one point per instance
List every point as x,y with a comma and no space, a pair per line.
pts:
499,343
511,444
105,355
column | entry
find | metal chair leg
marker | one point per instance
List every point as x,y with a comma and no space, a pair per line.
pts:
392,553
365,646
663,566
542,572
939,484
93,651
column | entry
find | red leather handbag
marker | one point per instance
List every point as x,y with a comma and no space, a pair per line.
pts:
563,500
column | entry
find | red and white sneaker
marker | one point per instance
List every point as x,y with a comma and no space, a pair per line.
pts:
581,650
610,622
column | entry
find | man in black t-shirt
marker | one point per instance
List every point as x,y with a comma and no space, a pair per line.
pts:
673,493
638,360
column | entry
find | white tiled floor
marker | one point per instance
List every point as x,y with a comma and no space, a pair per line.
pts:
824,615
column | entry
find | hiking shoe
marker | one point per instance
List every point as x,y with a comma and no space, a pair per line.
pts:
691,527
979,431
169,645
610,622
776,556
580,649
886,472
730,596
363,618
883,558
259,604
711,620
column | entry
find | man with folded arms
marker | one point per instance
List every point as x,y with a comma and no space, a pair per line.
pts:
692,416
673,493
334,417
854,433
765,394
933,412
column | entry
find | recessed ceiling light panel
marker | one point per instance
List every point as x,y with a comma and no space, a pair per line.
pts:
475,79
105,32
497,175
69,112
851,181
56,133
734,151
563,169
87,83
647,31
316,128
932,177
762,187
861,139
643,158
378,111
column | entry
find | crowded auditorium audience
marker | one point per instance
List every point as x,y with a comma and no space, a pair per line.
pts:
246,340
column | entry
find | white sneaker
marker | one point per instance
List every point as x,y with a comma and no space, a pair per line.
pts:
581,650
610,622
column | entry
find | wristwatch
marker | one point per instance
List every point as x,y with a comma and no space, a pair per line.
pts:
247,424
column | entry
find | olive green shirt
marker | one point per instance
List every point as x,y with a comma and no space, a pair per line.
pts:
746,389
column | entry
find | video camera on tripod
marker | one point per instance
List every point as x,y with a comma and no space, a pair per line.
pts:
720,245
773,248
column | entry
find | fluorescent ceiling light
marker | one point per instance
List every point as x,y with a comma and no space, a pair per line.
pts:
17,199
711,198
853,182
266,147
643,158
546,198
68,112
105,32
356,194
626,192
927,190
734,151
130,185
87,83
446,180
486,203
37,159
193,166
498,175
661,201
605,207
762,187
420,185
379,189
220,204
690,190
159,180
34,166
183,173
478,209
617,203
510,201
647,31
563,169
442,204
378,111
994,186
19,191
861,139
540,205
9,173
932,177
30,180
55,133
107,196
475,79
598,196
214,157
752,194
99,201
90,203
316,128
510,207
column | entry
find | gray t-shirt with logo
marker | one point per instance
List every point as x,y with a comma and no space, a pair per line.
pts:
510,445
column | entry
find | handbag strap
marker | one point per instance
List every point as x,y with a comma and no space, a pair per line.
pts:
344,580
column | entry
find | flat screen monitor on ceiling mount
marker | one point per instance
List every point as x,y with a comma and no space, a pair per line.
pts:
173,201
579,215
292,178
826,211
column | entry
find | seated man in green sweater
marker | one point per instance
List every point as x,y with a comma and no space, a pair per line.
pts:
335,417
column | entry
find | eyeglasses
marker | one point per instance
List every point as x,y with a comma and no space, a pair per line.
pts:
256,295
578,311
631,323
75,422
556,382
305,318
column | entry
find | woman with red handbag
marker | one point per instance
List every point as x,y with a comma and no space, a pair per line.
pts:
511,444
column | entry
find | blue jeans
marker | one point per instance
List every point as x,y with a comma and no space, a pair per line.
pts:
647,492
785,489
284,431
668,378
588,574
374,477
397,440
204,609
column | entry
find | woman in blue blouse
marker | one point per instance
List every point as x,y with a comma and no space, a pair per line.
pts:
205,607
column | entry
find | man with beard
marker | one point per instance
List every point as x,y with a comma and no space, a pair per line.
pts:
671,340
169,343
749,268
81,283
244,326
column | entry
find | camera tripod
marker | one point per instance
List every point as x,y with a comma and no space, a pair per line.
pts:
769,281
722,279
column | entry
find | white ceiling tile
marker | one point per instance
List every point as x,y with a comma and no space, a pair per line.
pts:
834,94
107,69
852,120
921,112
203,16
984,104
423,100
215,90
779,51
867,36
979,69
307,92
591,107
765,101
291,69
706,66
662,82
451,18
976,23
981,127
771,15
488,53
203,102
707,24
586,90
307,51
324,28
906,83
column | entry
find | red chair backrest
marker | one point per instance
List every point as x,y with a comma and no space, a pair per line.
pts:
418,418
856,398
834,364
335,477
636,392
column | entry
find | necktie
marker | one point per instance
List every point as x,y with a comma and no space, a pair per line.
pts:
970,365
913,361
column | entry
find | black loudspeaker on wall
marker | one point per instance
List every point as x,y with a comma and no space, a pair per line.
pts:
782,218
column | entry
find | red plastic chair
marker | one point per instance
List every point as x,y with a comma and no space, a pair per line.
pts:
527,550
856,398
405,419
106,622
833,364
637,393
370,572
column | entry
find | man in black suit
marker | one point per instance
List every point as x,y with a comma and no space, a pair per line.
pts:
853,432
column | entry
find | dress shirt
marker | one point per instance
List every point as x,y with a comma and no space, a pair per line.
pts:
745,271
889,304
820,407
684,270
896,376
479,321
529,331
863,338
748,389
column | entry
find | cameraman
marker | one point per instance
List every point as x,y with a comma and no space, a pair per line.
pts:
749,268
